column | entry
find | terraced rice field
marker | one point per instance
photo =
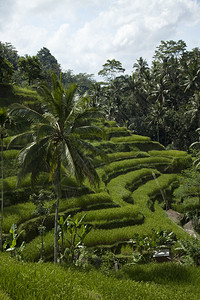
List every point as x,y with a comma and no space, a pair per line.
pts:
137,182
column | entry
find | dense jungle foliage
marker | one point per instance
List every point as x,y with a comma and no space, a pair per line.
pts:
161,100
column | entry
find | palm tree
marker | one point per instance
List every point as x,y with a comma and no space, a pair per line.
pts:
141,68
156,116
57,140
194,109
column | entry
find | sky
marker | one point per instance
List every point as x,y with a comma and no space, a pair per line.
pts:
83,34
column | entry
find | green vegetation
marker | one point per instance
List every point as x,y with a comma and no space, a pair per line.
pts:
39,281
59,143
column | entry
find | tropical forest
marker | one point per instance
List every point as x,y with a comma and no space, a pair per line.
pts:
100,179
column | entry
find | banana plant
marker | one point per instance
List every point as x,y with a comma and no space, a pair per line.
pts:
11,240
75,231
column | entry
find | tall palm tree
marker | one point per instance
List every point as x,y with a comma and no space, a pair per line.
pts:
193,109
56,139
156,116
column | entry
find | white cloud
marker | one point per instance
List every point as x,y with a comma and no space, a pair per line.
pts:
82,35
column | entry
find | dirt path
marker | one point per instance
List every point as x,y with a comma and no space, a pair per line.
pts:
176,216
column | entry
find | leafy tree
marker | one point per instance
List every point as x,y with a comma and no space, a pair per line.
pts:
111,68
30,67
83,80
57,144
189,184
6,70
42,209
193,109
141,68
48,61
170,49
156,116
9,52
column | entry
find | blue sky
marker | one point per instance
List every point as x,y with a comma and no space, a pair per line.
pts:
83,34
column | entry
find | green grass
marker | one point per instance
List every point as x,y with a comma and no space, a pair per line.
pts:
22,212
4,296
116,132
101,237
17,214
188,204
109,214
116,168
132,138
173,153
119,187
151,189
10,183
126,155
85,201
47,281
125,178
11,94
168,274
10,154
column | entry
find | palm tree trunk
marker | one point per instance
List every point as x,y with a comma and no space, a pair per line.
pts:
58,190
1,244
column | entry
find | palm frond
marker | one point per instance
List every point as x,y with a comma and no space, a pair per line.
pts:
50,118
88,148
68,104
45,130
83,166
22,138
29,114
32,158
195,144
67,159
91,113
